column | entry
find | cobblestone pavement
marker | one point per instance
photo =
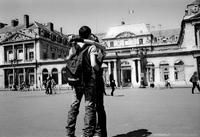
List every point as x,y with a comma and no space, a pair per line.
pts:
130,113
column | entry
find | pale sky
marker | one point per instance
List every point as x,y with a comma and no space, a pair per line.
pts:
98,14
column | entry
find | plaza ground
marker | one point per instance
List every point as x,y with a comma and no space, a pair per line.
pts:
131,112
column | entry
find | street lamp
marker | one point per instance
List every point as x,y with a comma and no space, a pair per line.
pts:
13,63
141,53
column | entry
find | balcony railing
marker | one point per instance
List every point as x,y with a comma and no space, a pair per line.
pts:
19,61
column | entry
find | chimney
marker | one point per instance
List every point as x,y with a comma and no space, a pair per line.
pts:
50,26
61,30
26,21
14,22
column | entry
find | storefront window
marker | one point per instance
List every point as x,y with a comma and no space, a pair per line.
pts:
64,78
164,69
55,75
44,74
179,71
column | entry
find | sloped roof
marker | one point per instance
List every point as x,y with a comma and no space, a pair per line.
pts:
137,29
13,29
166,33
45,27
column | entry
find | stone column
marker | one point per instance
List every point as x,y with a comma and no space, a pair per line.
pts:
133,74
171,73
198,39
24,71
24,52
157,75
60,77
13,76
35,50
139,71
13,49
35,78
109,68
115,73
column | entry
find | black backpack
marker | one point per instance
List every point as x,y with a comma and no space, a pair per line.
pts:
78,66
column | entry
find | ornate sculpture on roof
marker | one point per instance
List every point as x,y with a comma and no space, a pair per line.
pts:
17,37
193,8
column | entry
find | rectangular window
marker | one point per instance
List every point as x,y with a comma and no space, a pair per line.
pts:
20,54
10,55
126,42
10,78
140,41
31,55
31,79
20,78
44,53
179,72
111,44
53,55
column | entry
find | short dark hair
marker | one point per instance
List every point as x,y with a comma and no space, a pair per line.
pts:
84,32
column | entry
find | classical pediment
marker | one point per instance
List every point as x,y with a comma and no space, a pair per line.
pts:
125,35
17,37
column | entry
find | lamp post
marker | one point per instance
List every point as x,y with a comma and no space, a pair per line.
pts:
141,53
13,63
36,61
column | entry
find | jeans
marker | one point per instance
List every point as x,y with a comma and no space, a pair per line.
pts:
90,110
101,128
194,84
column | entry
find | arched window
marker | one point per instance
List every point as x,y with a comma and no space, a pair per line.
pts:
150,72
64,78
179,70
55,75
164,69
44,74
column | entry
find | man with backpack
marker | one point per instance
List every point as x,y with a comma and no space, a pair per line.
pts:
194,80
81,67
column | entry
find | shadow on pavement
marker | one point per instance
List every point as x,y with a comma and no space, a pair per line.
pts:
118,95
114,95
136,133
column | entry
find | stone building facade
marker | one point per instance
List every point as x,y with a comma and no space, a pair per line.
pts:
137,54
30,52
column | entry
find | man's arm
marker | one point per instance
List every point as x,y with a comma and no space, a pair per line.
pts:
93,53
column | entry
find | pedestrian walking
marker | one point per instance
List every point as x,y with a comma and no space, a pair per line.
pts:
86,87
167,83
49,85
113,85
53,86
44,84
194,79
